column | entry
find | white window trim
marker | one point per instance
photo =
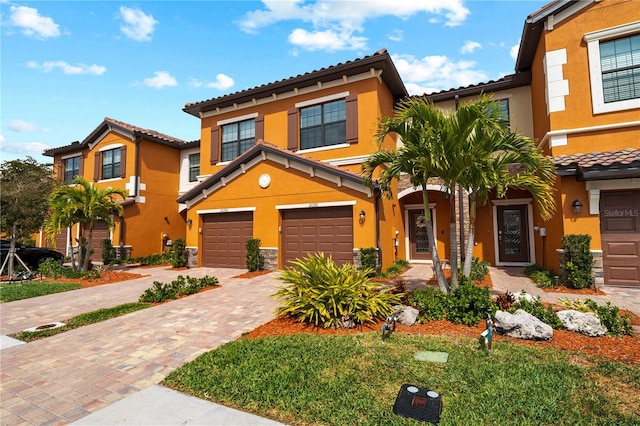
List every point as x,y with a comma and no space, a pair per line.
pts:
110,180
314,205
407,242
532,246
237,119
68,156
593,40
595,186
110,147
322,100
323,148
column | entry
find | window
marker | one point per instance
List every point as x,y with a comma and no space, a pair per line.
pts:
614,67
620,65
323,125
71,169
504,112
237,138
111,164
194,167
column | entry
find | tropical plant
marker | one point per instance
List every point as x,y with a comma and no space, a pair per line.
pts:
85,204
369,258
320,292
178,253
108,255
421,157
577,263
536,308
181,286
617,324
468,304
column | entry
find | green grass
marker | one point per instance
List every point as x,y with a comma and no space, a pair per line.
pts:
10,291
346,380
81,320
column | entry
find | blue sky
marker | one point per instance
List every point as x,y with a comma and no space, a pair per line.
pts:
67,65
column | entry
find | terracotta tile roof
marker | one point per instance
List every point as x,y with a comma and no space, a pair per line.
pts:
507,82
148,132
598,165
380,59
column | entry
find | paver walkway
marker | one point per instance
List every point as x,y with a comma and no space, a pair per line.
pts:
65,377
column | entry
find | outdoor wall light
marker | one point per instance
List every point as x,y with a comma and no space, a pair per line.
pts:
362,215
577,206
189,222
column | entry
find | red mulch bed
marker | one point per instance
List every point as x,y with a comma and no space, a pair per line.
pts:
585,291
254,274
622,349
107,277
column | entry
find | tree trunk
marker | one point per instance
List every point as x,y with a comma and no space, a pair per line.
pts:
12,250
453,238
437,266
472,235
87,252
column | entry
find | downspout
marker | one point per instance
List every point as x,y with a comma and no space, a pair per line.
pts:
137,140
377,210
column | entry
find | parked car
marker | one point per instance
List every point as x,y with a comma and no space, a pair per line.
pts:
32,256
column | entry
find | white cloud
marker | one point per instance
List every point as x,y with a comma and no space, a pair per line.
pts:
32,23
22,148
22,126
335,23
396,35
513,52
222,82
470,46
161,80
67,68
435,73
137,25
328,40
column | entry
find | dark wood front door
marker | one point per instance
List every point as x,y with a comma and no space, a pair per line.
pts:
420,248
513,235
620,231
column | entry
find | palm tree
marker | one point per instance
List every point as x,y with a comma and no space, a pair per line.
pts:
419,124
496,150
85,204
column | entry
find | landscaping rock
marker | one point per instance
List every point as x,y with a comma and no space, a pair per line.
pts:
586,323
522,325
406,315
524,296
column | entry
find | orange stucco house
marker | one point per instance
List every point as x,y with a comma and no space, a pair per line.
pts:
144,163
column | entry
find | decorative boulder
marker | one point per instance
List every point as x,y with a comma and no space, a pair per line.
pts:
406,315
586,323
523,295
522,325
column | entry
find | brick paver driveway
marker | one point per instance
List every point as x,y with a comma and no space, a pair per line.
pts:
65,377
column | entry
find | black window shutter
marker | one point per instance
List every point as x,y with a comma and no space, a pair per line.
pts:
352,118
292,129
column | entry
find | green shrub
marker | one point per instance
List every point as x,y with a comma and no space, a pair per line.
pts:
53,269
178,253
617,324
320,292
542,277
369,258
255,260
398,267
430,302
469,303
538,310
151,260
181,286
575,269
108,255
479,269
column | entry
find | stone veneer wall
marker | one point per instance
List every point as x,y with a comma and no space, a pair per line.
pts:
192,256
119,255
270,256
357,259
597,270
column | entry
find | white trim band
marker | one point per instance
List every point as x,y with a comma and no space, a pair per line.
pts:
314,205
229,210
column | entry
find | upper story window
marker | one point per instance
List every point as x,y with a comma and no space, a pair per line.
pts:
194,167
620,65
110,163
325,122
237,138
614,67
71,169
323,125
504,112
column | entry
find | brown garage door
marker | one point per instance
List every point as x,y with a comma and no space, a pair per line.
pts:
224,238
620,229
327,229
100,232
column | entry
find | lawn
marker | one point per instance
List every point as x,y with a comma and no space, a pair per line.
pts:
17,290
308,379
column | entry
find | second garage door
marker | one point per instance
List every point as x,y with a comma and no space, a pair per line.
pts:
224,238
327,229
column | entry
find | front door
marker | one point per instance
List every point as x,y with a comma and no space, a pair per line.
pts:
420,249
513,235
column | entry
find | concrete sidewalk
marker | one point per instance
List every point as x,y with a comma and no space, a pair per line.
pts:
67,377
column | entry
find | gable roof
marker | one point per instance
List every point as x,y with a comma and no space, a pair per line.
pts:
510,81
600,165
263,151
125,129
534,25
381,60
